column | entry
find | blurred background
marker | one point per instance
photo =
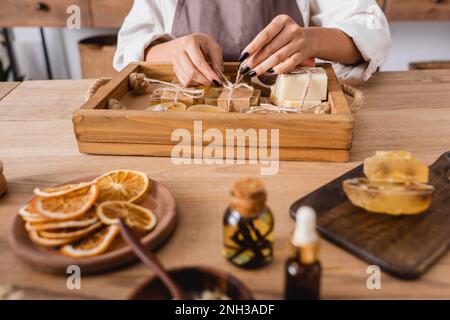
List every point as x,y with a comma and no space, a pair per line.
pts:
37,44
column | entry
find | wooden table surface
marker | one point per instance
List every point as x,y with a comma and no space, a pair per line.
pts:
403,110
6,88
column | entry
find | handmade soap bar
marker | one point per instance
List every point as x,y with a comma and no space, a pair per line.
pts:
394,198
172,96
294,85
395,166
241,99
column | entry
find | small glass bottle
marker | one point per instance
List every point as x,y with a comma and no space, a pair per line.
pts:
302,268
248,226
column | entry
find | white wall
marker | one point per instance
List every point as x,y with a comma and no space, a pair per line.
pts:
417,41
412,41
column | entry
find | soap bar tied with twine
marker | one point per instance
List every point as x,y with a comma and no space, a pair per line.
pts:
140,83
231,87
321,108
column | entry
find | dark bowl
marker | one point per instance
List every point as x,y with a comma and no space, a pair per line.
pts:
193,280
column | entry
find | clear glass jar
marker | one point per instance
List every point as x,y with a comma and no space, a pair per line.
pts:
248,239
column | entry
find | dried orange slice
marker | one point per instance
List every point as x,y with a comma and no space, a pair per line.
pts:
84,221
69,206
37,238
30,214
134,216
69,232
95,244
124,185
60,191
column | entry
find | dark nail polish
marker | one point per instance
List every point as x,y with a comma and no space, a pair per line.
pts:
244,70
252,74
271,70
216,83
243,56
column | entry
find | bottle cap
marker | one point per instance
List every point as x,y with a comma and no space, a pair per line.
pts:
248,196
305,228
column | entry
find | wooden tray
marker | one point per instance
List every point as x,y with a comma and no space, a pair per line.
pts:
308,137
160,201
404,246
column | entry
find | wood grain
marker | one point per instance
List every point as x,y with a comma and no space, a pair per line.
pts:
404,246
402,110
109,14
7,87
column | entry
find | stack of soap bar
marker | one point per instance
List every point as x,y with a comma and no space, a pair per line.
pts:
292,86
241,99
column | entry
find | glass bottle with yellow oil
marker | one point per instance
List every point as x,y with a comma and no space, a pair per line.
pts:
248,226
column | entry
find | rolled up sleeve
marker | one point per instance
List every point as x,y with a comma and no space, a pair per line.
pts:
147,22
365,23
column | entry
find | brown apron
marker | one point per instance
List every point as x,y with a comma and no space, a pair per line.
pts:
232,23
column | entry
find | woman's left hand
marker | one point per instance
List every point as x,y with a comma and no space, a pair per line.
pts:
279,48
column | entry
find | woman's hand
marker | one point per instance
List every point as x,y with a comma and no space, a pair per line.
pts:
279,48
284,45
190,55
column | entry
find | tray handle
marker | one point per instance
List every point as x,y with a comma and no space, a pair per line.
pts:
357,95
95,87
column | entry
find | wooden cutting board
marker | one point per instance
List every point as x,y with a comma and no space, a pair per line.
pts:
404,246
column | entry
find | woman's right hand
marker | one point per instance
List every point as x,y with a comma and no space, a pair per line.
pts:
190,58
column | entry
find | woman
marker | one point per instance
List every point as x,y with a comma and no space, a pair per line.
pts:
265,35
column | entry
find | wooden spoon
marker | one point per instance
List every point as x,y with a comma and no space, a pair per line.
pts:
151,261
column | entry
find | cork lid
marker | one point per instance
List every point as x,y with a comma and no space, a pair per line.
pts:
248,196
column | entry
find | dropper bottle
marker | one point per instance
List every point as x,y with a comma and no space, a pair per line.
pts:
302,268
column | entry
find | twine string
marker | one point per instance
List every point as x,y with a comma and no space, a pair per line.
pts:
233,86
267,107
139,82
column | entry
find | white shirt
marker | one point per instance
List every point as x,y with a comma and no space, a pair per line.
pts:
362,20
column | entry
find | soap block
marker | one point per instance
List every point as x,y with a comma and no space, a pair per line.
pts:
171,96
395,198
241,100
396,166
292,86
212,96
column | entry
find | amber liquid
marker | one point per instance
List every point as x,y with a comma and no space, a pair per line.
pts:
248,241
302,280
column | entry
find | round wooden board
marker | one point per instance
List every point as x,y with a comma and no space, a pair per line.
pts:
159,200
